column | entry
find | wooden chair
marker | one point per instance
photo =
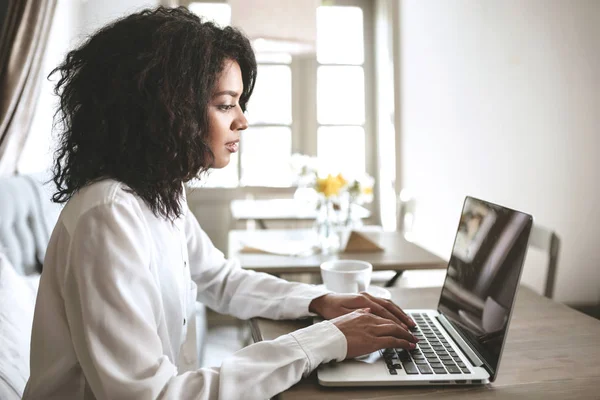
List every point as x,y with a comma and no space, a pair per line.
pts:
546,240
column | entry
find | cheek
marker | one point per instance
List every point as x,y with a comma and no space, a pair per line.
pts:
217,128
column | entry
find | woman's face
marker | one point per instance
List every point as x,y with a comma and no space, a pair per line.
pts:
225,117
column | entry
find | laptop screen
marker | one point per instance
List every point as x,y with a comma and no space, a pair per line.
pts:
483,275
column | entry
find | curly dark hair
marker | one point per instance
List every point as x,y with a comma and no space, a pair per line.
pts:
134,104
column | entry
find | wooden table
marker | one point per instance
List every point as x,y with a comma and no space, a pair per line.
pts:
266,210
552,352
399,254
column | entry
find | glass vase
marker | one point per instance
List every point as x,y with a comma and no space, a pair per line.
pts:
327,226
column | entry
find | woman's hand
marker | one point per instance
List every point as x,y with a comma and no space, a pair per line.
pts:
334,305
366,333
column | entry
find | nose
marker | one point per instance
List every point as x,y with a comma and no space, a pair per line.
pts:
240,123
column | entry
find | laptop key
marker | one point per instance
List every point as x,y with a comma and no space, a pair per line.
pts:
465,371
461,364
420,361
448,362
436,365
439,371
392,371
425,369
410,368
453,369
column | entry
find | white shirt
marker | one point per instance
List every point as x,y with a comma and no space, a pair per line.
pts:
117,287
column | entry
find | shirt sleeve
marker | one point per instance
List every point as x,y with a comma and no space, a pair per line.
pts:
114,312
227,288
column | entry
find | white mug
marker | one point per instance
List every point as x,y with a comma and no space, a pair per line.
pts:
346,276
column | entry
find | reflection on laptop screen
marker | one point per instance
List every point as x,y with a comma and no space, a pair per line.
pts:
483,275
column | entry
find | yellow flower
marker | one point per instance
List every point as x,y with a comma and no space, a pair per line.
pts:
331,186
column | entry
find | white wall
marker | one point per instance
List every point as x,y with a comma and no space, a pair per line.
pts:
501,100
97,13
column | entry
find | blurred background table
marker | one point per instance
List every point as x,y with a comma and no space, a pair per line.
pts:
399,254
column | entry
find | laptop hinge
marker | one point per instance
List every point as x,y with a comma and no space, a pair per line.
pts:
475,360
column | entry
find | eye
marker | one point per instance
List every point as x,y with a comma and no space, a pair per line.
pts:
226,107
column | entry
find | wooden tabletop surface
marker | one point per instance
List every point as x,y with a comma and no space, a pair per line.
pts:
552,352
398,254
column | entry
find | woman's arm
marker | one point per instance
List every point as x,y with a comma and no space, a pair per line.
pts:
227,288
114,313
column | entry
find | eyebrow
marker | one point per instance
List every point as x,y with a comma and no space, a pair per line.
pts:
231,93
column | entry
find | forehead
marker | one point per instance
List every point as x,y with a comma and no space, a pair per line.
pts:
230,77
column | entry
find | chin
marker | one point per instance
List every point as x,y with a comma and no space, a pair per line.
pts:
221,162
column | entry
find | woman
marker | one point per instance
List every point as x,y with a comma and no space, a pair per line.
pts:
146,104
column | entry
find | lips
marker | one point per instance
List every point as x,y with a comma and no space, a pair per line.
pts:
232,146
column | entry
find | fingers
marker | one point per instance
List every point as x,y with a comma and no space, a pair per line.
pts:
394,330
393,309
383,312
388,342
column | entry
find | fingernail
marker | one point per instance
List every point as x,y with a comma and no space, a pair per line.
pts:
412,345
416,339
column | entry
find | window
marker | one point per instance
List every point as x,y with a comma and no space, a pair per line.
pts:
340,90
267,144
302,104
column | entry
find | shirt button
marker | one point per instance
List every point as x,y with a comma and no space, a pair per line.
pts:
184,264
184,321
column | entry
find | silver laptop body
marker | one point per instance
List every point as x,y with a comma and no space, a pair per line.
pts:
461,342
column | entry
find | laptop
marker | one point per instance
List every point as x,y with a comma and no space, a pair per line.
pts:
461,341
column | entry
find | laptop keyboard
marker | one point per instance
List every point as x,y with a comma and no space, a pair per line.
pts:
433,354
